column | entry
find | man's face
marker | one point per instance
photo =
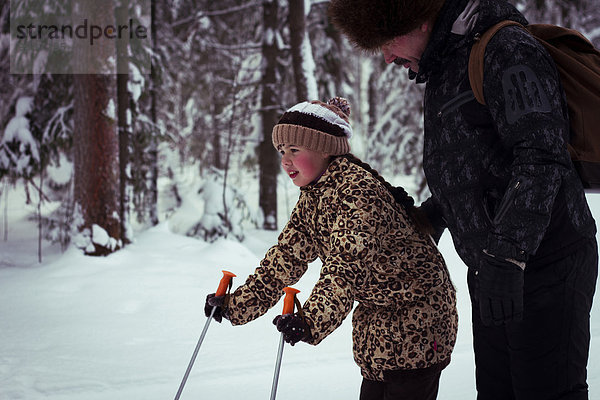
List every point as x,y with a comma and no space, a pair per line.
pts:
406,50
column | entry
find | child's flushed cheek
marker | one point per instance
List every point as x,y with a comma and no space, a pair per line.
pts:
306,167
309,166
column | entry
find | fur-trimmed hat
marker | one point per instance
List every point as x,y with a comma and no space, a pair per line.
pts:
317,126
369,24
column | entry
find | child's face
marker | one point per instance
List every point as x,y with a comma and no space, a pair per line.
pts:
301,164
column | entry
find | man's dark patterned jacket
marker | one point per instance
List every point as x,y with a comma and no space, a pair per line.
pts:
500,175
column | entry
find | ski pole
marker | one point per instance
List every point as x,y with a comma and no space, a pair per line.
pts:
221,290
288,308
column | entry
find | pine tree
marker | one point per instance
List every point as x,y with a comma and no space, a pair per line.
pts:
270,112
96,142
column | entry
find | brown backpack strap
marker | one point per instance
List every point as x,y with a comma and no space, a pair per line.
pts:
476,58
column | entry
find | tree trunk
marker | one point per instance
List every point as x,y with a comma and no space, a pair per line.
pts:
95,139
335,64
153,211
96,147
5,219
372,116
123,123
216,136
268,159
297,25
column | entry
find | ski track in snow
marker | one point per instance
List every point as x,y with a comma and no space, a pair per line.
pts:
125,326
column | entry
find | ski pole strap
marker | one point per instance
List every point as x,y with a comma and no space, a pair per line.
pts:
224,289
299,307
227,296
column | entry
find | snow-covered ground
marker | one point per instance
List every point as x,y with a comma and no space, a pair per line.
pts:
125,326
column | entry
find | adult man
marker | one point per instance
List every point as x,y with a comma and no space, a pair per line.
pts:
503,184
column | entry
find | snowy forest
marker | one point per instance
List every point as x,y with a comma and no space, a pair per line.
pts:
114,154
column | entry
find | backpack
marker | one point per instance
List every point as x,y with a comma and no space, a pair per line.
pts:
578,63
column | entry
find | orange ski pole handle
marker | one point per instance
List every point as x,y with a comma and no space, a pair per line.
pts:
288,300
288,308
224,283
221,290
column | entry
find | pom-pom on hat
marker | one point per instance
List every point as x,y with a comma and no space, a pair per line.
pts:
317,126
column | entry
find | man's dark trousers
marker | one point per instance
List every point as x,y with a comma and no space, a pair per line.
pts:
545,356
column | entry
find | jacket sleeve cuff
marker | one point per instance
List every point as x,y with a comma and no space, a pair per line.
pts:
310,339
503,248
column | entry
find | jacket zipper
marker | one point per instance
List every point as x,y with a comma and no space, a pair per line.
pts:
506,202
456,102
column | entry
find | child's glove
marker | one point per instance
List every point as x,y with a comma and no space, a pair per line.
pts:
500,291
293,327
215,301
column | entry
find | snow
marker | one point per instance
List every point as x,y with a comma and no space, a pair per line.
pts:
61,171
59,123
268,37
593,35
136,83
40,62
17,131
279,41
23,106
100,236
111,108
125,326
309,67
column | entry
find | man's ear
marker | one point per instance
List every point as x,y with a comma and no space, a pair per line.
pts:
424,26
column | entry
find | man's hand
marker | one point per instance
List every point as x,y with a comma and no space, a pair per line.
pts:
500,290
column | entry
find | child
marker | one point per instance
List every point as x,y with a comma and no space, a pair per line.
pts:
374,251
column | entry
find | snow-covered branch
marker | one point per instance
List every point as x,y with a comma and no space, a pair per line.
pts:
202,14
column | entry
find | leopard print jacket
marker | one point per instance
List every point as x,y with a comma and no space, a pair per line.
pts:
406,315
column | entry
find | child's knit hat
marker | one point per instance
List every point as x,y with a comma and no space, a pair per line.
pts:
317,126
